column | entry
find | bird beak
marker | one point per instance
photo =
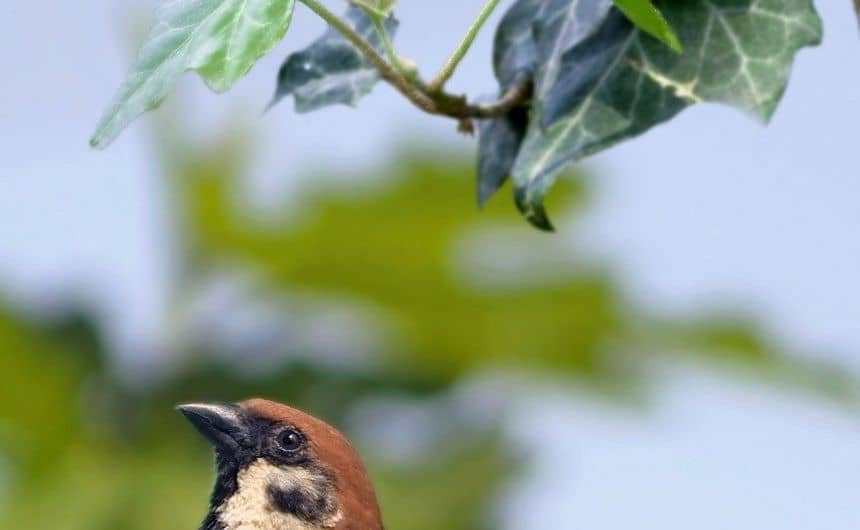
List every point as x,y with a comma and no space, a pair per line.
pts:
222,424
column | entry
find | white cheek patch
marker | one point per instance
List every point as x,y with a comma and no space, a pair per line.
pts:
250,508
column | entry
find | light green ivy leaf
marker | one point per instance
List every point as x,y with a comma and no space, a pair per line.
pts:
220,39
647,17
620,82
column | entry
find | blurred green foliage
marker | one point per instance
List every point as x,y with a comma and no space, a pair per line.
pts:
86,450
395,247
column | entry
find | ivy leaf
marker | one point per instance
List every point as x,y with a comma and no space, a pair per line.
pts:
378,8
332,70
647,17
619,82
514,61
514,47
559,26
221,39
531,39
499,141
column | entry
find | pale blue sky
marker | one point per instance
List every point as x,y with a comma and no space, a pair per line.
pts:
710,208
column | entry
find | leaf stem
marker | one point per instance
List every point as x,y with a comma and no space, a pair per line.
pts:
388,46
447,71
514,97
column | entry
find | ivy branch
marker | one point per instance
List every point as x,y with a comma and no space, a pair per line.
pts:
429,97
192,36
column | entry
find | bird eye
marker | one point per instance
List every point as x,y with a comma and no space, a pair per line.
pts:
290,440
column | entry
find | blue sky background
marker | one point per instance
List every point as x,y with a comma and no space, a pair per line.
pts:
711,208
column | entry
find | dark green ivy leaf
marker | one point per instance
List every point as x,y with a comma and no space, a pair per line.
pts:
619,82
514,48
331,70
532,38
499,141
558,27
514,60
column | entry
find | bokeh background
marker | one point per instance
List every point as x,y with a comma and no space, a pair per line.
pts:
683,352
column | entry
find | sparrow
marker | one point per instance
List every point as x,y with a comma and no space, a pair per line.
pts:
279,468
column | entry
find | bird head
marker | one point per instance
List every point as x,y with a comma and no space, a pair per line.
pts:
282,469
